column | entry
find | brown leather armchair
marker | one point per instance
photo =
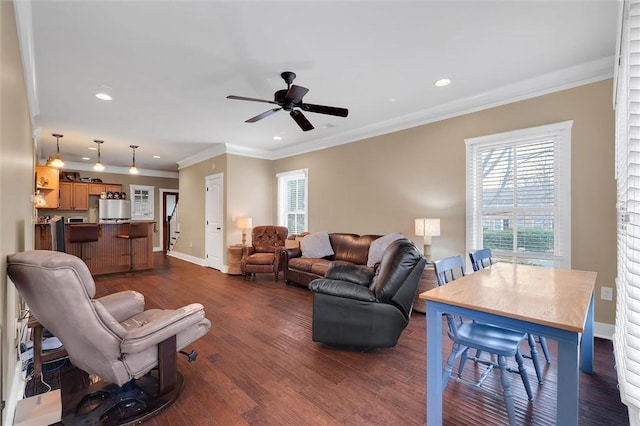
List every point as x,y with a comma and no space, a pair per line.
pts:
263,255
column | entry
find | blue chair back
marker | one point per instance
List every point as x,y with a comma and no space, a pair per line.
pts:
447,270
480,259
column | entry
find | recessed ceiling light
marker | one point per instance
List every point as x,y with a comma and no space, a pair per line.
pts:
277,138
92,148
103,96
156,156
442,82
86,158
392,100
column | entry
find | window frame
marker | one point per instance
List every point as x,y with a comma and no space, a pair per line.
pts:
282,198
150,213
560,133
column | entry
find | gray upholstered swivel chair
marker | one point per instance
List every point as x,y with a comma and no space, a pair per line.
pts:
353,306
112,337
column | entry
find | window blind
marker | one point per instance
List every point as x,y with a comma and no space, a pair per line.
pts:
626,339
292,200
518,201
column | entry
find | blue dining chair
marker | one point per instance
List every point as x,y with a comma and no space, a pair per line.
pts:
481,259
497,341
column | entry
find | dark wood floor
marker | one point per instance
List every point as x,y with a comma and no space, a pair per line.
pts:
259,366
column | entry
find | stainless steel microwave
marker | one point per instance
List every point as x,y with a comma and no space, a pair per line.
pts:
77,219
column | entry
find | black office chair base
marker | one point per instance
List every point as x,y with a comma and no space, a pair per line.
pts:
106,404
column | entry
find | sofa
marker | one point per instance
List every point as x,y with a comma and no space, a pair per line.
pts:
348,249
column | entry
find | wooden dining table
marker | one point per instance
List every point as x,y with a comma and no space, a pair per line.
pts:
551,302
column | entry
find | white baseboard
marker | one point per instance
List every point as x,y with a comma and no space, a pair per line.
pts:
197,260
193,259
15,395
603,330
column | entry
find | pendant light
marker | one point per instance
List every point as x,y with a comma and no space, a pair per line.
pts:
133,169
57,160
98,166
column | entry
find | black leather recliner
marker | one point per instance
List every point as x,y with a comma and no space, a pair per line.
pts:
353,306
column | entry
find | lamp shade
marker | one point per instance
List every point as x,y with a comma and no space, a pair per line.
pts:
427,227
243,222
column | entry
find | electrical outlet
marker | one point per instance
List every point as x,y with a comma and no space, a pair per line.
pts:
606,293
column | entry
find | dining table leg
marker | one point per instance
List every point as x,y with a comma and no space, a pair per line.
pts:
586,347
434,365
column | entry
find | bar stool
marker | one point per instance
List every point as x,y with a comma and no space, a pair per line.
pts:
136,230
83,234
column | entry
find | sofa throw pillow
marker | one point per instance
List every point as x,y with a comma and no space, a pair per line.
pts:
379,245
316,245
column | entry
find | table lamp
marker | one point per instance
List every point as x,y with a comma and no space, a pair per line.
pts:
244,223
427,228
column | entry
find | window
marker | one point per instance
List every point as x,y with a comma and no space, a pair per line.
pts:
626,339
142,206
292,200
518,195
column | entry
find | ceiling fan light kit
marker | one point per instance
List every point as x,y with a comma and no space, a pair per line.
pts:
290,99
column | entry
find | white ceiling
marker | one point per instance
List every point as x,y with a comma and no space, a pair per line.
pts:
169,66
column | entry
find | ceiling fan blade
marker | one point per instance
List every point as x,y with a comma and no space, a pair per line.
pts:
302,121
295,93
323,109
244,98
263,115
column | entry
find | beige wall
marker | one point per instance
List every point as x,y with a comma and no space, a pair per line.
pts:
124,180
248,192
16,186
381,184
191,205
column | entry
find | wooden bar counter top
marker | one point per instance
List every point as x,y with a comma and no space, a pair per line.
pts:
109,254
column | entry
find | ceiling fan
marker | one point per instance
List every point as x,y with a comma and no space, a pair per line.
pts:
290,99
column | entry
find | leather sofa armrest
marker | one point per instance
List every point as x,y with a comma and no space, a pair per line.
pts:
343,289
290,253
161,325
350,273
123,304
286,254
247,251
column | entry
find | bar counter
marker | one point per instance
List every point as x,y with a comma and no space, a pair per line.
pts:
109,254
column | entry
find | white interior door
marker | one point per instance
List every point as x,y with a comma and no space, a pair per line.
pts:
213,217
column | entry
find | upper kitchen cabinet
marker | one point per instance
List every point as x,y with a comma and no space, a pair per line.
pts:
74,196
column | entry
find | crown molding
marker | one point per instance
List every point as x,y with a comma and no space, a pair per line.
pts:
250,152
219,149
564,79
24,25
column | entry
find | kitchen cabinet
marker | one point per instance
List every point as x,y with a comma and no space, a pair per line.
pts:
74,196
98,188
46,187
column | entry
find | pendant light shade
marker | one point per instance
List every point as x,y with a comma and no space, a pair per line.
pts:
133,169
98,166
57,160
